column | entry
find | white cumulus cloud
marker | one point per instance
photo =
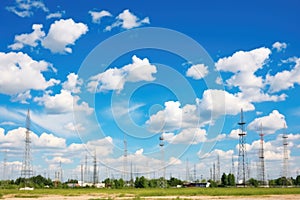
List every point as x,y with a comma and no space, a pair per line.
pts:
127,20
173,117
186,136
62,34
20,73
63,102
97,16
279,46
57,14
285,79
73,83
197,72
270,123
244,65
30,39
115,78
25,8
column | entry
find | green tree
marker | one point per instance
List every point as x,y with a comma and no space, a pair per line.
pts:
213,183
141,182
224,179
173,182
231,180
297,180
253,182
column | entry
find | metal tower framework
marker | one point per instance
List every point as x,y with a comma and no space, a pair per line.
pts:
285,153
125,161
262,158
95,174
241,175
26,171
161,144
218,172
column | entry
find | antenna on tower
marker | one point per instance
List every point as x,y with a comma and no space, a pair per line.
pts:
161,144
285,153
232,166
218,174
262,157
4,165
95,177
187,171
241,176
125,160
85,170
26,171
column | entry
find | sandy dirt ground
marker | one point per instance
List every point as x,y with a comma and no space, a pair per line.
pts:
99,196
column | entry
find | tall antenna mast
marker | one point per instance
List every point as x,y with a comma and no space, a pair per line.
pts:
232,166
125,160
187,170
241,177
285,153
86,170
161,144
95,179
262,157
218,169
5,165
26,171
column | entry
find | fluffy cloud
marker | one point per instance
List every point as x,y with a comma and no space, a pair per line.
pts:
73,127
25,8
127,20
213,104
243,61
20,73
279,46
244,65
222,102
73,83
285,79
62,34
115,78
57,160
173,117
97,16
21,97
186,136
64,102
234,134
174,161
270,123
30,39
15,139
197,72
271,150
55,15
224,155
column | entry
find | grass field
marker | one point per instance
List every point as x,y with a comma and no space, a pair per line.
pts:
154,192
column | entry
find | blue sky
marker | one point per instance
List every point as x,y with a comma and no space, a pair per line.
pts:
95,73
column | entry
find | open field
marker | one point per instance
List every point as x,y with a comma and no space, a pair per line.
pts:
172,193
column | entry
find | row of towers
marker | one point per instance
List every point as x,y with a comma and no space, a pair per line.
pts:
242,156
27,170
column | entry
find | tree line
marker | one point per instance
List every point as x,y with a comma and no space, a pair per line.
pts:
227,180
